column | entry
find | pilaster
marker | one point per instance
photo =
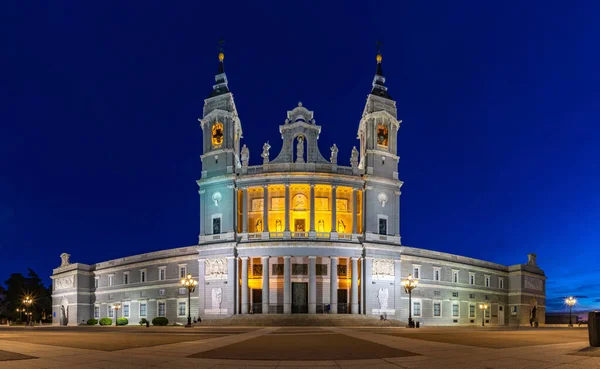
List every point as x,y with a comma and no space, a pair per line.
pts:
287,208
333,286
287,286
334,211
312,210
245,302
244,209
265,208
354,210
201,286
312,285
354,286
265,285
367,288
231,284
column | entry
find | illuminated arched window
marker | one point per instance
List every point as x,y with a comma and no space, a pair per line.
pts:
217,135
382,135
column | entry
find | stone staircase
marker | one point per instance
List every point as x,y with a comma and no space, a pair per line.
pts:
303,320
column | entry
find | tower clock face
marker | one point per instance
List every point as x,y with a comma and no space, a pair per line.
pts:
217,135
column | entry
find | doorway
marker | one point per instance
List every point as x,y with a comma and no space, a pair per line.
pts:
299,225
299,297
500,315
256,306
342,298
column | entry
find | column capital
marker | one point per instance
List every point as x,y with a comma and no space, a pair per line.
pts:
202,259
244,257
333,257
312,185
355,258
265,257
334,186
286,185
244,188
312,257
356,188
286,256
201,191
265,186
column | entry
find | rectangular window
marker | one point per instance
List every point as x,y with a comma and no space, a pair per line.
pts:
126,278
183,291
382,226
161,292
471,311
96,312
455,276
111,279
162,273
216,225
471,295
181,308
416,271
277,269
125,310
143,275
513,310
487,280
182,271
111,311
472,278
437,274
501,283
437,309
143,309
437,293
487,312
321,269
96,280
455,310
417,308
162,308
454,294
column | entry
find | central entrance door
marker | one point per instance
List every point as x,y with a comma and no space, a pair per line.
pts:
342,301
257,301
299,297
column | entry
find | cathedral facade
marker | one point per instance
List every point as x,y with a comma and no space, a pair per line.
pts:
297,233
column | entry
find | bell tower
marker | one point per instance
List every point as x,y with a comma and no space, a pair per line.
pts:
377,133
378,129
221,128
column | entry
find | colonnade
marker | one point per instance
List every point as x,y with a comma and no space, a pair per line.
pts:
312,285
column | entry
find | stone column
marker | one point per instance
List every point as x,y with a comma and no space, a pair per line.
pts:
266,208
312,207
287,286
245,302
287,207
333,209
312,285
398,288
367,290
354,210
397,193
265,285
354,286
244,209
201,287
231,284
333,285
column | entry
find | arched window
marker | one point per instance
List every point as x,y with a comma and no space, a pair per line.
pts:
382,135
217,135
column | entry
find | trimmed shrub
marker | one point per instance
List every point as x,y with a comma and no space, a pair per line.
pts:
92,321
143,321
122,321
160,320
106,321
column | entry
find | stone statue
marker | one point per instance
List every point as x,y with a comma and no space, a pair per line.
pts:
341,226
259,226
217,298
382,296
64,258
300,150
321,225
245,156
334,153
265,153
278,225
354,157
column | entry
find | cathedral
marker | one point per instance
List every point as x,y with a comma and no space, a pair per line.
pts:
296,233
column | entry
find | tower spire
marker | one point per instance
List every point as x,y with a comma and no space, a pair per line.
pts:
220,87
379,88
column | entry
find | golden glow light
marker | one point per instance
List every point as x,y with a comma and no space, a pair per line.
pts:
570,301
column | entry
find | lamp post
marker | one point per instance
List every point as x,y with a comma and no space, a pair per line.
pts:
410,284
570,301
483,308
116,307
20,311
28,301
189,283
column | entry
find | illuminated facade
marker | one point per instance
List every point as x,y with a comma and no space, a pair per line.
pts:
299,233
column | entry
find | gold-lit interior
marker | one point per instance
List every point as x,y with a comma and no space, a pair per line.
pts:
382,135
255,209
359,211
323,208
240,210
276,204
299,207
217,135
344,204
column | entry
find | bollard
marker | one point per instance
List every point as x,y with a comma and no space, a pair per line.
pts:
594,328
418,323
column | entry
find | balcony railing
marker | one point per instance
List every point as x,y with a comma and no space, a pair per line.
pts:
299,234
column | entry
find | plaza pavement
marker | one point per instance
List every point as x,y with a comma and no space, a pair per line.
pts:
289,347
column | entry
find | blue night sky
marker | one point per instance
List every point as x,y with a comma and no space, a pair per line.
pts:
100,143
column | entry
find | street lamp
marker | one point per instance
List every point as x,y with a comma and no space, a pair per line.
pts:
189,283
20,311
570,301
116,307
28,301
483,308
410,284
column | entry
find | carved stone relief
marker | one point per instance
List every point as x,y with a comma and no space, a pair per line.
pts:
533,283
383,267
62,283
216,268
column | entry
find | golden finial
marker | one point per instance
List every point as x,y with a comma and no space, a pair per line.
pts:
221,53
379,57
